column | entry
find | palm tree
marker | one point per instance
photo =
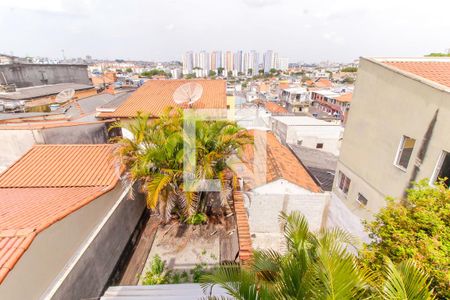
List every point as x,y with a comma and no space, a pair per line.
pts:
155,158
317,266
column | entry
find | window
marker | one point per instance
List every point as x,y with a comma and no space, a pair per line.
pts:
343,183
442,169
361,199
319,146
404,152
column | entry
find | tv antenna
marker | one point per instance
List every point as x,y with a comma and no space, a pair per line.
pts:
65,95
188,93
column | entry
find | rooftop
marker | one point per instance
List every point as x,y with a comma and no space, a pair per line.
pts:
431,69
43,90
281,163
347,97
155,95
303,121
48,183
321,164
274,108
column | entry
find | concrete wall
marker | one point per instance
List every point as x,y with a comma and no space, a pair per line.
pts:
55,248
387,105
265,205
24,75
310,135
14,142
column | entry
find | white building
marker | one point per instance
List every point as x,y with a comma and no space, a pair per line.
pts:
308,132
275,181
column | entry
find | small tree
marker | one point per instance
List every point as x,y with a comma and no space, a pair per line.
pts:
250,71
349,69
349,80
230,74
220,71
418,228
129,70
212,73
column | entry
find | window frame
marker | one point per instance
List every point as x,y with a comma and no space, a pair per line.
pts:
360,202
321,145
438,166
338,183
400,152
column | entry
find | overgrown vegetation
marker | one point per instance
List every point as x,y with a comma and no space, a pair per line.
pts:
318,266
349,69
155,159
418,229
159,274
438,54
155,72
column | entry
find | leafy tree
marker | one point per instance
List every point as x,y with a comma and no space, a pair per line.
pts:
154,158
305,78
190,76
230,74
349,69
129,70
250,71
418,228
154,72
318,266
212,73
261,72
220,71
349,80
437,54
241,74
272,71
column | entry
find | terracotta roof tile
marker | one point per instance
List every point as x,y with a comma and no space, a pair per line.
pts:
243,228
62,166
323,83
436,71
155,95
48,183
345,97
281,163
274,108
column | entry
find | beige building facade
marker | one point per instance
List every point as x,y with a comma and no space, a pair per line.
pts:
397,132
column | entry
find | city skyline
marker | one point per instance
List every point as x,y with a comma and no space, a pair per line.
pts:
307,32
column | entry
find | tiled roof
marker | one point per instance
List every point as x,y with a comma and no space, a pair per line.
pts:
345,97
62,166
155,95
323,83
281,163
436,71
274,108
243,228
48,183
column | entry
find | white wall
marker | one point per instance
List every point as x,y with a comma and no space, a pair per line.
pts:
267,202
310,135
14,143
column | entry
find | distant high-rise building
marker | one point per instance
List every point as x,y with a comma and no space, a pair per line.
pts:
268,61
203,61
188,62
253,62
213,60
229,64
238,63
283,63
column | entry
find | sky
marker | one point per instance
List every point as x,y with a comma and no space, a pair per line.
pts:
307,31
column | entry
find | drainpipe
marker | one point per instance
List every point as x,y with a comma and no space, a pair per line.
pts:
421,154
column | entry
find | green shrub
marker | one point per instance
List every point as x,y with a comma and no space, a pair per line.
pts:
157,273
197,219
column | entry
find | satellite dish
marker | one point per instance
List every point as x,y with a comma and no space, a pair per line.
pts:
65,95
188,93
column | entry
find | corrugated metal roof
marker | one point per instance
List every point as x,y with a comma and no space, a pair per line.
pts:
43,90
186,291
